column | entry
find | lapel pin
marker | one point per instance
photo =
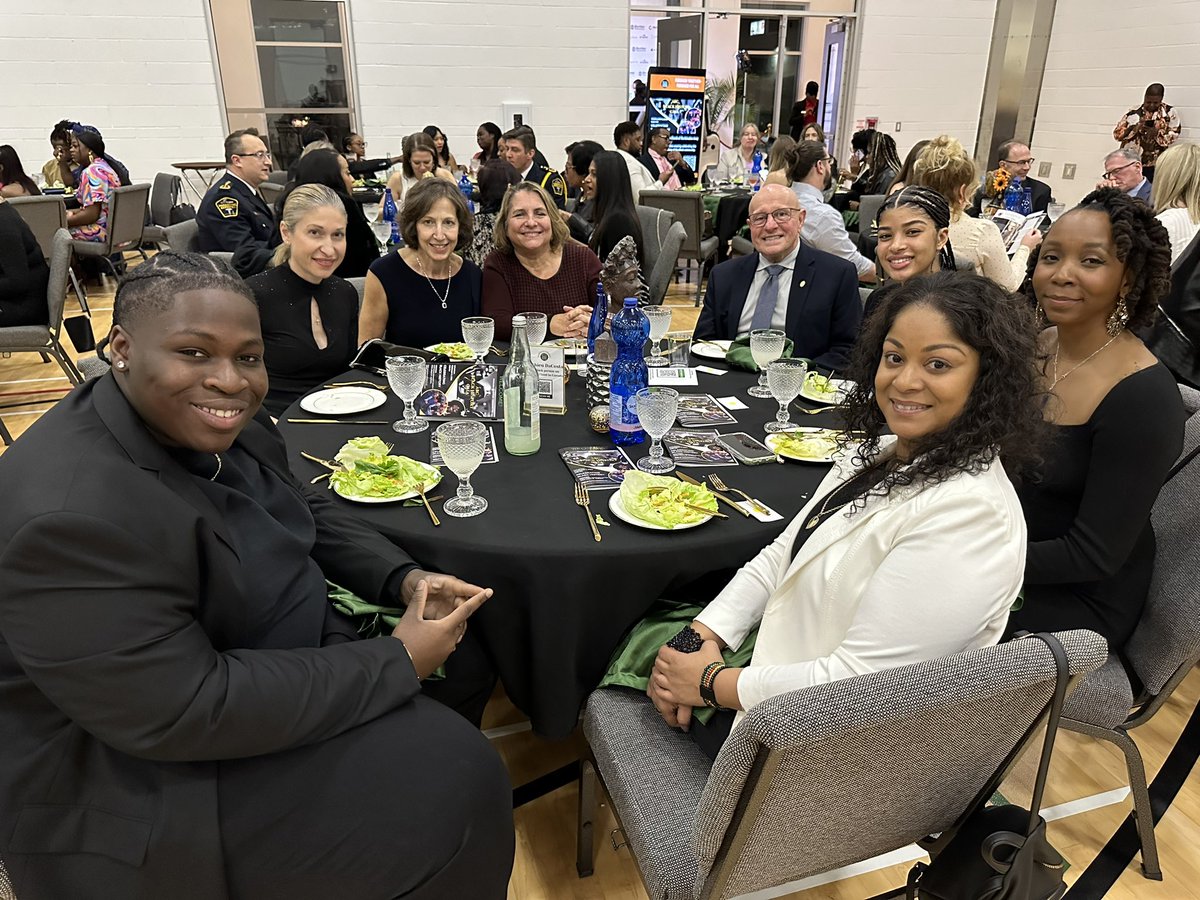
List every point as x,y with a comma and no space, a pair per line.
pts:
803,283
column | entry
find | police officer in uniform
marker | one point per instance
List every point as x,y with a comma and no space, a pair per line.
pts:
519,147
234,216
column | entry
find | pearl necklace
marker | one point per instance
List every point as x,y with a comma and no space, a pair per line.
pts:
1057,378
449,275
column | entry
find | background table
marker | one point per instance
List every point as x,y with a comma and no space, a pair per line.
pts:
562,601
202,173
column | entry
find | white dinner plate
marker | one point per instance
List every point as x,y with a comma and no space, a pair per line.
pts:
343,401
569,347
774,440
435,477
843,386
454,358
711,349
618,509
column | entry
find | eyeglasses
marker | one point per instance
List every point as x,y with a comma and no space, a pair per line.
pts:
1020,162
782,216
1111,172
260,155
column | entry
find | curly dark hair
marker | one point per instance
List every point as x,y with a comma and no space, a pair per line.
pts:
1142,244
154,285
1002,416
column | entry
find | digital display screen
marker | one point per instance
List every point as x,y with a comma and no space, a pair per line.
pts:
677,104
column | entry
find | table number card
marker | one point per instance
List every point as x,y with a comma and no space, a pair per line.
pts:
548,361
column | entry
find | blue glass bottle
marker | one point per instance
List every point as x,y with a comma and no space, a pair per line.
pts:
1026,206
599,318
464,185
389,216
1013,194
630,329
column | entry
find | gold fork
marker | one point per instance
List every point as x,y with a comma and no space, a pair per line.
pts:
813,412
582,499
715,480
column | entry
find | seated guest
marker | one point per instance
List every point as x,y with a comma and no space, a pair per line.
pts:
1123,170
420,294
354,148
581,221
520,150
860,143
23,273
907,174
627,138
1176,194
495,178
1117,419
445,158
537,268
539,158
879,169
13,180
735,164
824,228
312,137
815,132
325,167
945,166
673,170
57,171
179,677
616,216
900,534
420,161
487,137
309,315
1016,158
780,160
95,180
810,294
233,214
913,228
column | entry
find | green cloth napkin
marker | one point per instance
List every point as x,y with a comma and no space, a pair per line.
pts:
371,621
739,353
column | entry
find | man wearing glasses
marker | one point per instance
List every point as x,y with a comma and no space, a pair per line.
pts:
234,216
1016,159
823,228
1123,170
809,294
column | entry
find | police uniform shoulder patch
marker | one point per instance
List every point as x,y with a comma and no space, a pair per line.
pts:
227,207
558,186
225,185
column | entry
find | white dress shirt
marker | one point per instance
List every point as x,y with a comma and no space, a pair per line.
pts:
640,178
781,299
825,229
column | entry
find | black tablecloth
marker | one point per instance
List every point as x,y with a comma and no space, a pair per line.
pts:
732,211
562,601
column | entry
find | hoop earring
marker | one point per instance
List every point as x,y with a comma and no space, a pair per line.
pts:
1118,318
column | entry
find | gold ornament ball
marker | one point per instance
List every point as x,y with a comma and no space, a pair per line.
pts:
598,419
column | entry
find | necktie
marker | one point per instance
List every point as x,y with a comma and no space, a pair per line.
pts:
767,298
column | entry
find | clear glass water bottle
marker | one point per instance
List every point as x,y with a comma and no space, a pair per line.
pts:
630,329
519,388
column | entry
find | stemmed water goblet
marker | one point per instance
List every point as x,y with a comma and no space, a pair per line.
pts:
462,445
656,410
478,333
535,327
785,378
766,346
406,376
660,324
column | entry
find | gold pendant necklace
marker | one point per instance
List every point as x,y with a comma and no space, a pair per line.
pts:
1057,378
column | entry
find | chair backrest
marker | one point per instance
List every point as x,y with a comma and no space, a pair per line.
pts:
225,256
277,176
44,215
1167,636
182,236
163,197
660,275
127,216
56,287
869,764
360,285
688,207
272,192
868,209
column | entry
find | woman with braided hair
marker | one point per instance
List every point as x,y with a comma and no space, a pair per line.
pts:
99,175
184,713
913,239
880,168
1116,413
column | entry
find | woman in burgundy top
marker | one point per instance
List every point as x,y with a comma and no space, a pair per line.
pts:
536,267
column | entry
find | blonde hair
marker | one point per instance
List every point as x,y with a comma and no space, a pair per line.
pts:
300,202
558,228
781,155
945,166
1177,180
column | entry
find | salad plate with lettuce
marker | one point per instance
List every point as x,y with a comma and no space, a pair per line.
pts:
370,475
660,503
821,389
815,445
457,351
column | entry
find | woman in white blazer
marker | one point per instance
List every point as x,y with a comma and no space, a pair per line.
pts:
737,162
912,547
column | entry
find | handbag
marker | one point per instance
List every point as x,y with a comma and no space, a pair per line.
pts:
372,356
1001,852
79,330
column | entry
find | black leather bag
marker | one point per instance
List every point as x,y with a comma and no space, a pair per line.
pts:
372,355
79,330
1001,852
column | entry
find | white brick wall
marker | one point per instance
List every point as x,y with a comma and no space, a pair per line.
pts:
1102,55
922,63
140,72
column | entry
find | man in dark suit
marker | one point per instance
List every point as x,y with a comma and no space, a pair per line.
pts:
234,216
1123,170
1016,159
811,295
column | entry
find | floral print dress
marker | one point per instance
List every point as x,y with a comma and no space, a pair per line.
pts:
96,184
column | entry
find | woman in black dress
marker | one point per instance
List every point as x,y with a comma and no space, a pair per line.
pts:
1117,420
309,315
331,169
23,273
615,215
419,295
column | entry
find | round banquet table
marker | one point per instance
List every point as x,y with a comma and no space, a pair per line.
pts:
563,602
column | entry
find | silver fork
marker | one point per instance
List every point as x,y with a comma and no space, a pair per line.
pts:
715,480
582,499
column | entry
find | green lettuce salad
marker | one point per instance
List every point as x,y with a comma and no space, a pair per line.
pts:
661,501
456,351
371,473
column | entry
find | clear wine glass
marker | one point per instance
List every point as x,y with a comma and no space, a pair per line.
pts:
406,375
766,346
660,324
1054,210
462,445
785,377
656,410
535,327
383,234
478,333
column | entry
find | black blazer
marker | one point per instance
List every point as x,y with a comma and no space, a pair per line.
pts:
23,273
1041,197
126,668
823,312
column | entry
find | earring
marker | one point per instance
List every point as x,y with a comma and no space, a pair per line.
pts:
1117,318
120,364
1039,318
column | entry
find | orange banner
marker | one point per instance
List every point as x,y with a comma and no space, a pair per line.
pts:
682,83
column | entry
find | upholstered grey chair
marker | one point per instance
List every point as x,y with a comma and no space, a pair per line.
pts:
656,224
360,285
817,778
1166,643
182,236
45,339
163,197
271,192
45,215
126,220
688,207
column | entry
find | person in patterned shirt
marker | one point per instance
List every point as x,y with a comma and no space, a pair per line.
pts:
1149,129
